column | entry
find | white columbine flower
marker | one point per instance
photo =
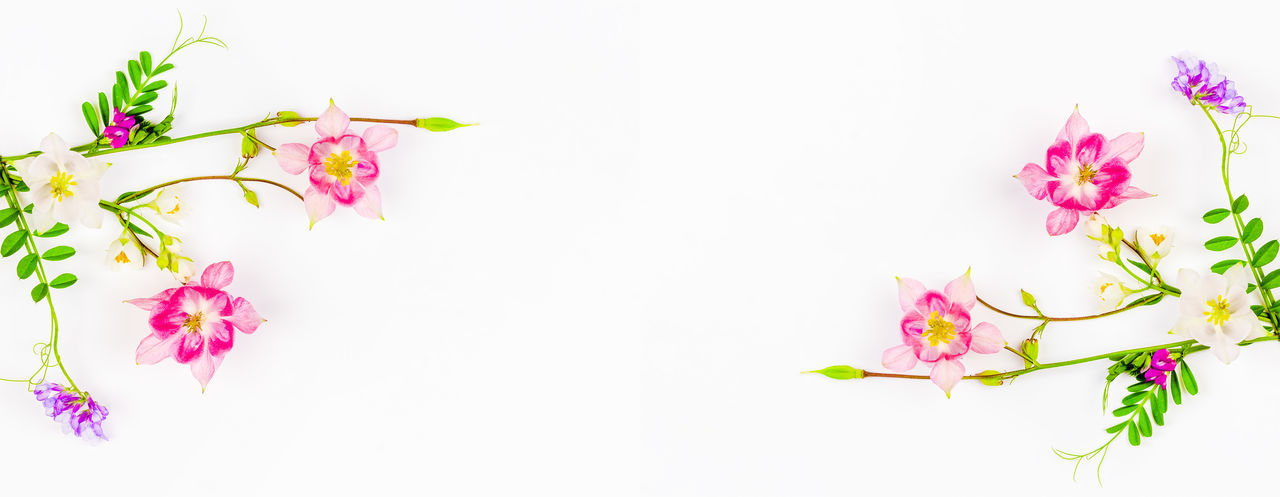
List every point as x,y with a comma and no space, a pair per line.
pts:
168,203
64,185
1156,242
1109,291
124,253
1215,311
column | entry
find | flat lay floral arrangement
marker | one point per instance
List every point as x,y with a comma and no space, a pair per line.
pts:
55,189
1220,309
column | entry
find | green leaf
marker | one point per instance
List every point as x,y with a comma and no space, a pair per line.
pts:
91,118
1220,243
123,83
1252,231
1134,439
1118,427
1266,253
139,110
13,243
135,73
1139,386
439,124
138,229
1223,266
1158,417
1141,267
1250,288
117,96
1216,216
1175,388
1144,423
63,280
39,292
1271,280
1241,203
145,58
1134,398
104,110
58,253
840,372
27,265
1160,403
162,68
1123,410
145,98
1188,379
151,87
8,216
56,230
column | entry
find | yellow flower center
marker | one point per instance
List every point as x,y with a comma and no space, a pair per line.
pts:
122,258
194,322
61,184
176,207
1219,311
340,166
939,331
1102,290
1157,238
1085,174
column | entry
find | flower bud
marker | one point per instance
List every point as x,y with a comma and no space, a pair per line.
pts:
291,118
439,124
1031,348
994,381
841,372
249,145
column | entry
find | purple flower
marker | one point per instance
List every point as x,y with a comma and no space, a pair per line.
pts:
118,132
1202,85
77,410
1161,365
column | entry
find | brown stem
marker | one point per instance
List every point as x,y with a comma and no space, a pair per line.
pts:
1049,318
142,193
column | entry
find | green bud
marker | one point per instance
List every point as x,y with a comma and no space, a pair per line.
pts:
995,381
1028,299
248,145
250,197
165,241
840,372
439,124
291,117
1115,236
1031,348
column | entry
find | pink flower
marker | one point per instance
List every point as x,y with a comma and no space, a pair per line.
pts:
194,323
1086,173
118,132
935,330
343,166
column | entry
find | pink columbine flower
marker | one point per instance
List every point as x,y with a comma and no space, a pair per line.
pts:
194,323
118,132
343,166
1086,173
936,331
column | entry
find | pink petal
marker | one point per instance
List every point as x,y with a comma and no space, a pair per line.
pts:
1057,159
1062,220
986,339
292,157
899,358
1129,193
166,319
370,205
333,122
1075,129
933,301
960,291
244,317
319,205
1090,148
909,291
346,194
913,324
1035,180
1125,147
379,138
218,275
190,346
153,348
204,367
221,337
150,303
946,374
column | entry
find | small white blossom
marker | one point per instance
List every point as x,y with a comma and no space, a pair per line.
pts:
1215,311
1109,291
1156,242
168,203
124,253
64,185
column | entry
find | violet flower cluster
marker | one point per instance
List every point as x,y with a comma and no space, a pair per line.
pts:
1200,82
76,411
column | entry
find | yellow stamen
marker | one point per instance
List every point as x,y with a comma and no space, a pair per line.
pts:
61,184
1103,289
1219,311
1157,238
939,330
194,322
1085,174
340,166
122,258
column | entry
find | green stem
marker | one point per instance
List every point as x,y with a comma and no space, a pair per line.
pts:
1049,318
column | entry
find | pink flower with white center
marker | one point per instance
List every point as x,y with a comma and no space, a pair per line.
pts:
1086,173
342,165
936,331
195,323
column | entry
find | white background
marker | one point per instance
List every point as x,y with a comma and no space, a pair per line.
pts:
610,287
